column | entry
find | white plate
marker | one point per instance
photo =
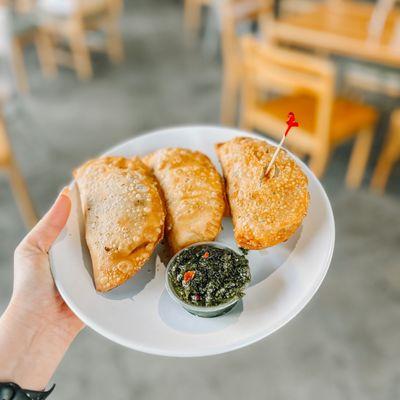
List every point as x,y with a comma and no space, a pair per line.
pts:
140,315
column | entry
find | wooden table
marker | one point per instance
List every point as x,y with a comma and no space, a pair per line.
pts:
342,30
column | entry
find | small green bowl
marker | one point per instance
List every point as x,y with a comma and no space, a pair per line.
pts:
200,311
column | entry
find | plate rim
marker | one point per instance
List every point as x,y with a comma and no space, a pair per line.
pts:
154,350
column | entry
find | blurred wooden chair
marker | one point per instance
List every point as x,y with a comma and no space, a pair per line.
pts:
305,85
25,32
389,156
71,21
18,185
235,13
19,29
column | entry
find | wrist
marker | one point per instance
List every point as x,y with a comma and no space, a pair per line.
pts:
36,319
31,348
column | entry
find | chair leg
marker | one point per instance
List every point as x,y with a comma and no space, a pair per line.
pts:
388,157
115,48
359,158
46,54
192,16
80,52
229,98
21,195
19,66
381,173
318,162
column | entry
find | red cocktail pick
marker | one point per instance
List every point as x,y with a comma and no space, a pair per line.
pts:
291,122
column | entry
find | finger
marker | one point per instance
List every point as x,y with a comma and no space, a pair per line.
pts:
49,227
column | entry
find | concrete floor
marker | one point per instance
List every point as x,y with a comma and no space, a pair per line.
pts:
344,345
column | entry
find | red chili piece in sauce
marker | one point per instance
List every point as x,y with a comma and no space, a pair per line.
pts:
188,276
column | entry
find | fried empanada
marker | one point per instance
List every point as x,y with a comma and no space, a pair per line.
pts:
124,217
193,192
264,211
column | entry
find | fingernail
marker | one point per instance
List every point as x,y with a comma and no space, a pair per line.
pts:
65,191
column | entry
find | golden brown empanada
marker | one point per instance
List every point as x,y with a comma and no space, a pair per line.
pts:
265,211
124,217
193,192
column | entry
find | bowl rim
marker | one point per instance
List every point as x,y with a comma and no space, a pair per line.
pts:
192,307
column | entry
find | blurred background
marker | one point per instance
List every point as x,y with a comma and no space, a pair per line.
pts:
77,77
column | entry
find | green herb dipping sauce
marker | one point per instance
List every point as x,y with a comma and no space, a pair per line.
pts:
209,276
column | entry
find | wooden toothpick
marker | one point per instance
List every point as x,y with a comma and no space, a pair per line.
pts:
291,122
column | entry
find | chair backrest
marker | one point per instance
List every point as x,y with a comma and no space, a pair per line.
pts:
268,68
235,12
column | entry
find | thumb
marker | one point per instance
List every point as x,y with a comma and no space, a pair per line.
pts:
42,236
